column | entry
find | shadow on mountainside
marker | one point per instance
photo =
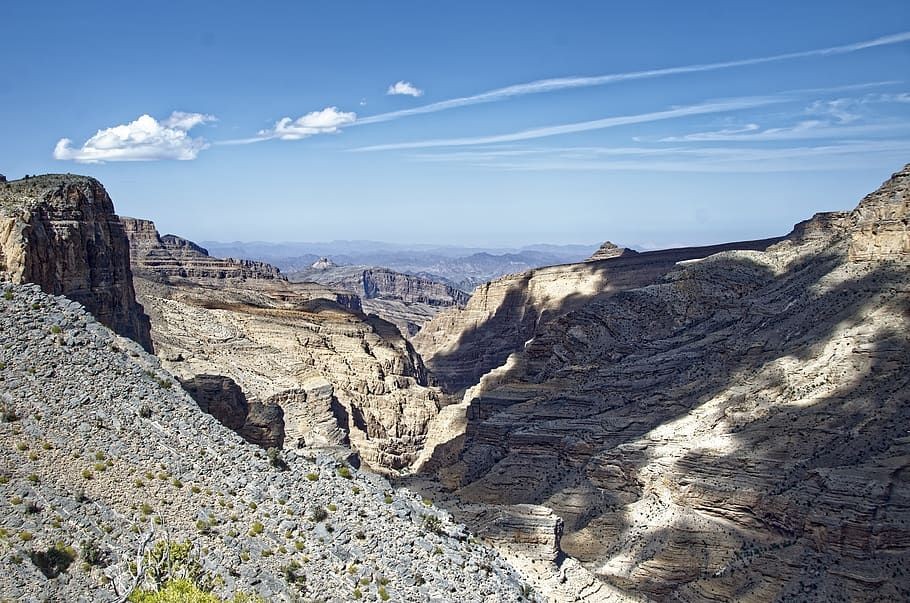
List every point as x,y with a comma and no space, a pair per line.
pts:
574,436
519,316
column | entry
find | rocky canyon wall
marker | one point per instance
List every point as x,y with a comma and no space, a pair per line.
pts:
59,231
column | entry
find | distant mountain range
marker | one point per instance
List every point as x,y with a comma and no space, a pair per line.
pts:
461,267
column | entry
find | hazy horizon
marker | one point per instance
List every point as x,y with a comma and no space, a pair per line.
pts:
476,124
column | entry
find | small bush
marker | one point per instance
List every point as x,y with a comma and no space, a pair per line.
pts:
345,473
256,528
388,499
145,411
275,460
54,561
25,536
8,294
332,507
92,554
174,591
100,467
383,594
312,476
318,514
146,509
56,330
33,478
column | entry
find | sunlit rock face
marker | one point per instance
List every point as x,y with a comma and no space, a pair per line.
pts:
734,430
338,376
60,232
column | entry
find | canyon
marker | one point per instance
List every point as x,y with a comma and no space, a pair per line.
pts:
725,422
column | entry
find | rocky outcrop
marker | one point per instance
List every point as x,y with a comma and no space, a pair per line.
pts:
60,231
462,344
405,300
735,430
610,250
282,342
172,256
105,460
219,396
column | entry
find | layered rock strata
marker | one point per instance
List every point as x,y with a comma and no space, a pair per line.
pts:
258,423
337,374
734,431
460,345
59,231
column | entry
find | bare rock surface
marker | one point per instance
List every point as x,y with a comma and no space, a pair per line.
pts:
60,232
460,345
610,250
275,339
221,397
406,300
100,446
736,429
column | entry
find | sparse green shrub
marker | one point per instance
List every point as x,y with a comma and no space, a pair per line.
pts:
21,446
318,514
292,573
25,536
53,561
427,502
432,524
383,593
332,507
312,476
145,411
33,478
388,499
4,479
100,467
33,456
174,591
256,528
360,536
345,472
275,460
92,554
146,509
176,483
357,594
195,489
56,330
8,294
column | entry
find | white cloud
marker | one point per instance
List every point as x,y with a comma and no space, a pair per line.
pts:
597,124
405,88
563,83
327,121
145,139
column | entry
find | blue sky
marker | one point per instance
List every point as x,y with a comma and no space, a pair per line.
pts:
476,123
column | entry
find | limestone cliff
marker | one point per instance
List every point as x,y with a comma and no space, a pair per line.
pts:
406,300
735,430
59,231
462,344
338,375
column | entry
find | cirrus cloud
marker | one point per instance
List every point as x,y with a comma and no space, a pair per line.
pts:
402,87
145,139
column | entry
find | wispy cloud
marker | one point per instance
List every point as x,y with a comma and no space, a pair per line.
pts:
803,130
145,139
404,88
848,155
564,83
327,121
597,124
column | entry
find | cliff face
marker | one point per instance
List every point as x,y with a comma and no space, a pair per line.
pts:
405,300
734,431
460,345
173,256
337,375
60,232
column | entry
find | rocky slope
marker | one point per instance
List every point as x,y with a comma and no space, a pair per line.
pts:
60,231
338,375
104,460
406,300
736,430
462,344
